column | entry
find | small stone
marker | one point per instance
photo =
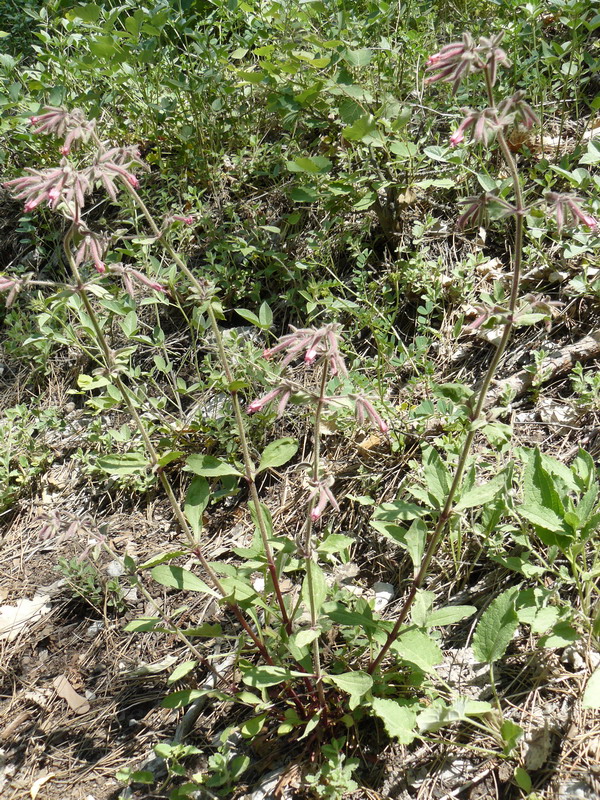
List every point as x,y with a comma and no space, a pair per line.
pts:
384,594
115,569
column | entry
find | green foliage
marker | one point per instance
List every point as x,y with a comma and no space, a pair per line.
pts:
87,582
319,192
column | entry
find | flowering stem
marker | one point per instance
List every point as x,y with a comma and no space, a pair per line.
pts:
308,547
249,472
151,450
447,510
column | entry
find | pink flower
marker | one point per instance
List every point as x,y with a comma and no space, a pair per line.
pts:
58,122
11,285
115,164
457,60
283,393
92,248
61,186
567,210
315,343
127,273
364,408
322,488
515,107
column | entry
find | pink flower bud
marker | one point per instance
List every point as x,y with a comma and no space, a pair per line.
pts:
310,356
6,283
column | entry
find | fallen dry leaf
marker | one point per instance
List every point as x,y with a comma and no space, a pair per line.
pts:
36,786
76,702
14,618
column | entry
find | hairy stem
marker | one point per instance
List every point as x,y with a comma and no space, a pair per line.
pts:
447,510
308,547
249,472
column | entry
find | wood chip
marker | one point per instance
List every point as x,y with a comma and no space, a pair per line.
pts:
76,702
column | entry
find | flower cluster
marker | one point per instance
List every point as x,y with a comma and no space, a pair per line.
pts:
282,394
567,210
64,187
92,248
58,186
322,489
73,125
487,122
129,275
11,285
364,409
115,163
515,108
315,343
484,124
457,60
476,208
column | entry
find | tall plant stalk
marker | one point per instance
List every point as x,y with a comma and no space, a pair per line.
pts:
516,261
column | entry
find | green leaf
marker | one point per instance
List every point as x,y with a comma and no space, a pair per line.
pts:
87,13
277,453
104,47
179,578
306,636
439,715
511,733
196,500
123,463
523,780
181,670
412,540
143,625
320,588
249,316
210,467
541,503
481,495
399,720
422,607
593,153
310,164
436,153
562,636
160,558
419,649
170,456
356,684
362,128
449,615
358,58
187,696
265,314
264,676
404,150
304,194
335,543
400,509
252,727
591,695
496,627
437,476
